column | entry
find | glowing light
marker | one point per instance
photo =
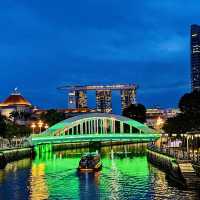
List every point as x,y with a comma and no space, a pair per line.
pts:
46,126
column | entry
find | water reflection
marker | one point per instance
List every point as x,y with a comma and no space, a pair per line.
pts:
38,186
126,174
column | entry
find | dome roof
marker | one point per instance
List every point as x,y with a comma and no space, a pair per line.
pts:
15,99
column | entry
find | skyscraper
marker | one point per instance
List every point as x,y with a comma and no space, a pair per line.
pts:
195,57
77,95
77,99
103,101
127,98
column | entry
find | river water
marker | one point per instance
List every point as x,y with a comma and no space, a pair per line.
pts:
126,174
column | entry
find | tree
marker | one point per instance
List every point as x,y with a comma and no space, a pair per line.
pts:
136,112
52,117
14,115
189,119
2,126
19,115
16,130
190,102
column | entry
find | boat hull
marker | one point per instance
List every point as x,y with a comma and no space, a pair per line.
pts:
89,170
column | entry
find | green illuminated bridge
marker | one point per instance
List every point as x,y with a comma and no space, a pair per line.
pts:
95,127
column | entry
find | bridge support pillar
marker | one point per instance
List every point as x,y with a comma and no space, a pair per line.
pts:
112,126
81,128
76,130
131,129
43,148
101,125
97,126
121,127
104,126
92,126
86,127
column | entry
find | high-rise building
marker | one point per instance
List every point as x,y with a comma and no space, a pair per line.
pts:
77,96
195,57
103,101
77,99
127,98
81,99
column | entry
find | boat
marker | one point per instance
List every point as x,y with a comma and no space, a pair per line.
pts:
90,162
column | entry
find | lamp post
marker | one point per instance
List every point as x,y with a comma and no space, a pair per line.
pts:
46,126
40,124
159,125
33,125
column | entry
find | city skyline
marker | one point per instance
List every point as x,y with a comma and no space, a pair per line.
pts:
43,47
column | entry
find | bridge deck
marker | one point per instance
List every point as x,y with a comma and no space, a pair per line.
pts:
95,137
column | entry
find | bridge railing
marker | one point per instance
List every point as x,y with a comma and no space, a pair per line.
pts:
179,153
13,143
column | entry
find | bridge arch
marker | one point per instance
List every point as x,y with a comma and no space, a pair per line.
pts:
97,123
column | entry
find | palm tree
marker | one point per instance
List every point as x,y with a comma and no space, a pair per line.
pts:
14,115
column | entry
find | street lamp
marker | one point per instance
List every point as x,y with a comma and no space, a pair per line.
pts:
46,126
40,124
33,125
159,122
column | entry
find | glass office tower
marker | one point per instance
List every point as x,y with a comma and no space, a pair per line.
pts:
195,57
103,101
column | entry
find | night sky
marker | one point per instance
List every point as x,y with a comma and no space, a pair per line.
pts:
48,43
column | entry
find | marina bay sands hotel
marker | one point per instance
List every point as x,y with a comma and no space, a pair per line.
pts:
77,96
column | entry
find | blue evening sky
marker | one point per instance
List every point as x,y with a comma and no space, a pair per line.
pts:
47,43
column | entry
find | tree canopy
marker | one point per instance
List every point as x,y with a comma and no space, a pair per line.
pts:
190,102
8,129
2,126
136,112
52,117
189,118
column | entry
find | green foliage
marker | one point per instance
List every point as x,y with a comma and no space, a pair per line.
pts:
20,115
190,102
52,117
136,112
8,129
2,126
189,119
16,130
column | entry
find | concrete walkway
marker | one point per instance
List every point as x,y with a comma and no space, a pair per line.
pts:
189,174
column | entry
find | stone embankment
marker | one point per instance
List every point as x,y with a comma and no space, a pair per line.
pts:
9,155
182,171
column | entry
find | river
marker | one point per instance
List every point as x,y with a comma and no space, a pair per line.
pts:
125,175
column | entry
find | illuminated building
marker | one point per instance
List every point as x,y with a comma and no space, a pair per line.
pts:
103,101
77,96
156,116
127,98
15,102
77,99
77,111
195,57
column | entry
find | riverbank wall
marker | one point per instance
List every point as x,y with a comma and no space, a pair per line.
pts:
9,155
197,168
166,163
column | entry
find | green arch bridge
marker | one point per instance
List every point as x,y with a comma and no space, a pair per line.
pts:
94,127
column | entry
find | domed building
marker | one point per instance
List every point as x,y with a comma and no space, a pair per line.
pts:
14,102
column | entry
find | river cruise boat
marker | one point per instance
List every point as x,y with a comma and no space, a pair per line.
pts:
90,162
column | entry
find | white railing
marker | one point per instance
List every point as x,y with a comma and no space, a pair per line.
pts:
13,143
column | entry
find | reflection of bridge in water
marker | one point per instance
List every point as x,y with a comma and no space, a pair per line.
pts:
94,127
